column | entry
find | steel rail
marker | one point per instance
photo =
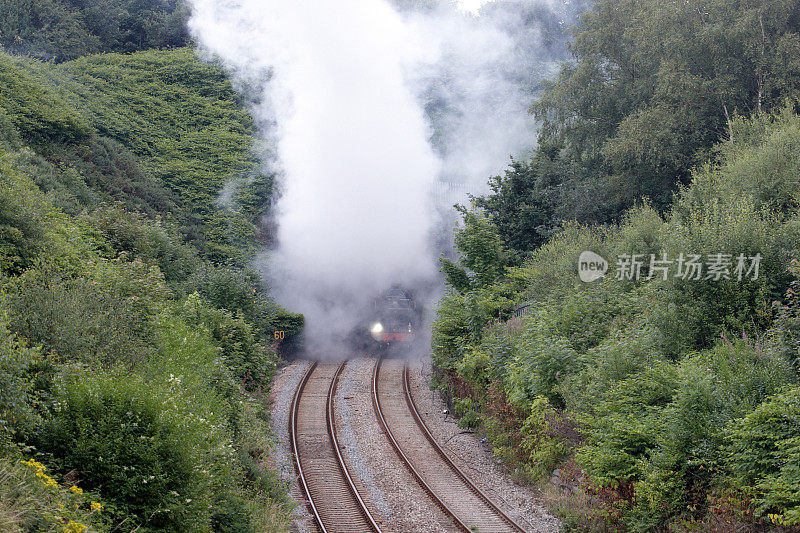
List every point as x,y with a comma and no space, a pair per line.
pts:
421,423
335,441
376,402
331,427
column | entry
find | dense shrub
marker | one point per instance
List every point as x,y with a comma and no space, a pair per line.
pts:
104,318
37,112
240,291
193,149
136,442
714,387
114,174
251,363
541,445
763,454
18,367
64,30
784,336
92,118
150,241
31,226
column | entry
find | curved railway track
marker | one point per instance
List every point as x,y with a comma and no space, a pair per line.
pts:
331,494
330,491
470,508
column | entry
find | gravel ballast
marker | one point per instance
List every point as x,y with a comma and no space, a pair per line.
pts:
405,506
283,388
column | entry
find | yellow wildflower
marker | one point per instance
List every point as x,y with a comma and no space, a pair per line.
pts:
34,464
96,506
76,489
74,527
776,518
48,481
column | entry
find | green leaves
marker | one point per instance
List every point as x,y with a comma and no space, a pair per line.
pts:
654,85
518,206
65,30
482,257
37,111
763,454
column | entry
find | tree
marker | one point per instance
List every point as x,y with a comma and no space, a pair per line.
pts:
654,85
482,255
518,207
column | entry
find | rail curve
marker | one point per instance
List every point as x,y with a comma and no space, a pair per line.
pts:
448,485
331,494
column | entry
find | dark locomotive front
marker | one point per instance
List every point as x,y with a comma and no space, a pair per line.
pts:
396,317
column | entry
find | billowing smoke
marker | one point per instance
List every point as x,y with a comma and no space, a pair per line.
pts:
367,109
492,61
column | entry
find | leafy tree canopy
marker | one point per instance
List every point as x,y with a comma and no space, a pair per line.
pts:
652,86
67,29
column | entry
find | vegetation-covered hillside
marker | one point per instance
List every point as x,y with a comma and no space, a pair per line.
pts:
159,131
136,349
667,400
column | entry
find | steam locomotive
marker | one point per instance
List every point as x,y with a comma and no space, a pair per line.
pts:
394,319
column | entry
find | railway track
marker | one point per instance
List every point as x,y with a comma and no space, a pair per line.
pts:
330,491
470,508
331,494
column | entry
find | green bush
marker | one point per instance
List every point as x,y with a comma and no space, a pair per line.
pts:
92,120
763,455
661,431
623,427
552,269
542,359
36,111
30,225
18,368
251,364
199,141
240,292
450,331
762,164
784,336
112,173
150,241
542,447
464,409
621,355
137,443
103,318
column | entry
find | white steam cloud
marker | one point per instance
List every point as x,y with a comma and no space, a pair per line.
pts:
370,108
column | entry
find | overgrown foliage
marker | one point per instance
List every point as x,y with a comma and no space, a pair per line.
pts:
672,394
159,131
136,347
66,29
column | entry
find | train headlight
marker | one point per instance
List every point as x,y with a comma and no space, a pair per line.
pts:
377,330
